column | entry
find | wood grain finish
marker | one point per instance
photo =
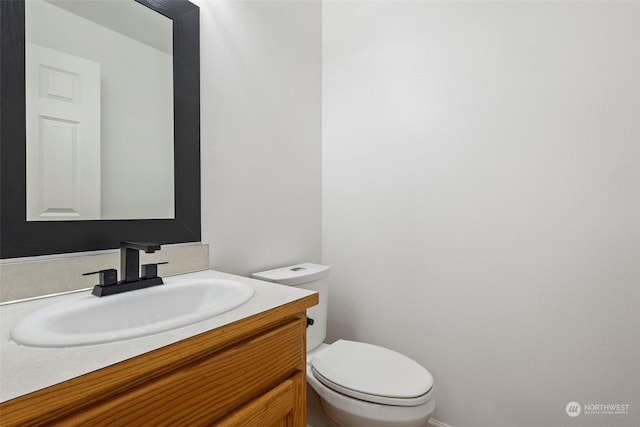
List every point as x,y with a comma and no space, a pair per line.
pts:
196,381
271,409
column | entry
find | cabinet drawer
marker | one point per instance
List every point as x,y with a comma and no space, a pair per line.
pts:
206,390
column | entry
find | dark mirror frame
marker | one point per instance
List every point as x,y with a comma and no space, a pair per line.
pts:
20,238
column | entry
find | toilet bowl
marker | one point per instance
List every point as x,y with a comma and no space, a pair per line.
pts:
361,394
359,384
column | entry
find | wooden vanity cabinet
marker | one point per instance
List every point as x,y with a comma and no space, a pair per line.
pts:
248,373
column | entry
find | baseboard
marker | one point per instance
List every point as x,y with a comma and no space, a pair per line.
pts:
435,423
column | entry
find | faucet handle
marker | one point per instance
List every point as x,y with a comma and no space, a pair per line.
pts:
150,271
107,277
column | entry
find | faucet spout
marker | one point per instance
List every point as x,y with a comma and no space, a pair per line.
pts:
141,246
130,258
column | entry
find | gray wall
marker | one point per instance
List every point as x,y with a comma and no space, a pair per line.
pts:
261,135
481,194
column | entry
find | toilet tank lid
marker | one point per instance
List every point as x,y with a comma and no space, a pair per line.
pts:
294,274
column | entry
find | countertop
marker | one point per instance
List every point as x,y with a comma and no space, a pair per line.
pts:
27,369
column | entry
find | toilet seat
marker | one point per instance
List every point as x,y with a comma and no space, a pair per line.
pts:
372,373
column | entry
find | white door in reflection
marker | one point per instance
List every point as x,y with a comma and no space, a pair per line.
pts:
63,136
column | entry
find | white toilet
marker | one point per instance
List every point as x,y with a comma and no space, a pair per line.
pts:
360,385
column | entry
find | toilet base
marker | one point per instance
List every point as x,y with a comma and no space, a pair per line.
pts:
338,418
315,414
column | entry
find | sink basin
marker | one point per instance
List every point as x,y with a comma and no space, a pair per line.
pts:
91,320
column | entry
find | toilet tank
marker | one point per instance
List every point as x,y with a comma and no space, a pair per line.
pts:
313,277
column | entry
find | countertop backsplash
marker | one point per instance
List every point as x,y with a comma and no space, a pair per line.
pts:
22,278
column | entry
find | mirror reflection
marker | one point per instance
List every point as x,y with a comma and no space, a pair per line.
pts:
99,111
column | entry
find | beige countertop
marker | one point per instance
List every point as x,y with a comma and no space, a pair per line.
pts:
27,369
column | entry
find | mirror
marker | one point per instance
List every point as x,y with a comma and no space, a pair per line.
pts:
99,94
177,133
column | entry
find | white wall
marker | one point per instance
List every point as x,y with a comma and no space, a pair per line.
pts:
261,136
481,199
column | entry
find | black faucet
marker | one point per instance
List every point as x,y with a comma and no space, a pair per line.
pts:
129,270
130,258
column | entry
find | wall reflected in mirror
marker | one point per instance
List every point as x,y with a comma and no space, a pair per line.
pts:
99,111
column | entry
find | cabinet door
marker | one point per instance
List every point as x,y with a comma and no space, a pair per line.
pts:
276,408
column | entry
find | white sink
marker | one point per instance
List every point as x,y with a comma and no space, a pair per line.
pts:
91,320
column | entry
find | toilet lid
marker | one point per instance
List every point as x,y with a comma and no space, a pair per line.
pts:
372,373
